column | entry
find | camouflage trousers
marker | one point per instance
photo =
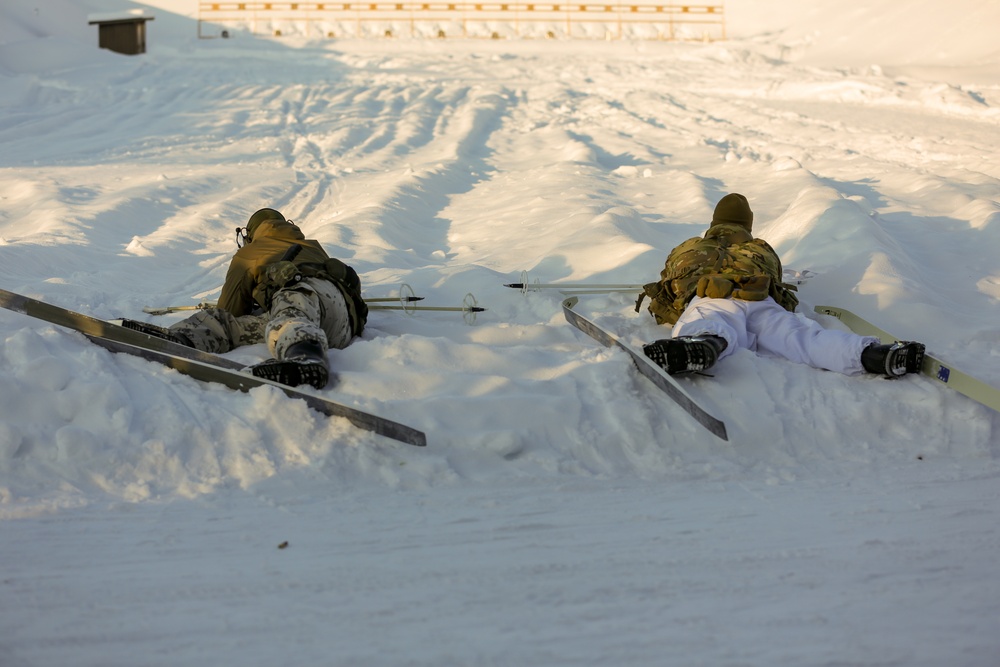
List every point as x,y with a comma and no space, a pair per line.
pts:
311,310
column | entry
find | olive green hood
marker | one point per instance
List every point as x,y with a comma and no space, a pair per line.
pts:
261,216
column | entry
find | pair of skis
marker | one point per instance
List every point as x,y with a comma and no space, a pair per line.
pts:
199,365
213,368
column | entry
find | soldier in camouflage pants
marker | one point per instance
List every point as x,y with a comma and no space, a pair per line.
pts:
311,310
723,292
282,289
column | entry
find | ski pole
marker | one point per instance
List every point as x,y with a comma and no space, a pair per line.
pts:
384,299
592,288
406,296
598,287
176,309
469,308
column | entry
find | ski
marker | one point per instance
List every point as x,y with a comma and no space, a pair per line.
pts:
92,326
932,367
657,375
198,365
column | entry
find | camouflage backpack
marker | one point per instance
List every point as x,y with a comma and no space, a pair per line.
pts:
727,263
285,273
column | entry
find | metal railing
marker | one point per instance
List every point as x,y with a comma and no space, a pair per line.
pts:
612,19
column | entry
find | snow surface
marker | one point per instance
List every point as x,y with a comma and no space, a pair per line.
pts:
564,512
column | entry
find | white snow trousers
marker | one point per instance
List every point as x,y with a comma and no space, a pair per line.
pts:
766,327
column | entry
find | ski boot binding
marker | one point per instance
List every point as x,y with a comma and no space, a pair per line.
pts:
157,332
686,354
894,360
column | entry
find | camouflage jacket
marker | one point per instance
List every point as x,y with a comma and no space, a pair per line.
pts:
252,279
727,263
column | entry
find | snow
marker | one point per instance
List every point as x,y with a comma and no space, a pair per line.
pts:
564,512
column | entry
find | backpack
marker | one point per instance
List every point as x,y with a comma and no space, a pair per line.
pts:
725,264
285,273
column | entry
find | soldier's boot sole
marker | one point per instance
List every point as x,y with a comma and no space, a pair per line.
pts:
293,372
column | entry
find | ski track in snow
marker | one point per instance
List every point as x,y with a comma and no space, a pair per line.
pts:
453,167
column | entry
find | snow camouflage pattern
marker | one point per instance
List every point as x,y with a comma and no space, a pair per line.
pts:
268,297
727,263
251,282
216,330
313,309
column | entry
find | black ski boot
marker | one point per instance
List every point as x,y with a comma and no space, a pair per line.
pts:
304,363
893,360
686,354
158,332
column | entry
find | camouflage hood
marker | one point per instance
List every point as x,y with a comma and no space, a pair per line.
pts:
726,234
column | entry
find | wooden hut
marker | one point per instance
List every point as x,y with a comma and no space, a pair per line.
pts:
124,32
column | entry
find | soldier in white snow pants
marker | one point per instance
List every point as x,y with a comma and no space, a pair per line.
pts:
766,327
723,291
